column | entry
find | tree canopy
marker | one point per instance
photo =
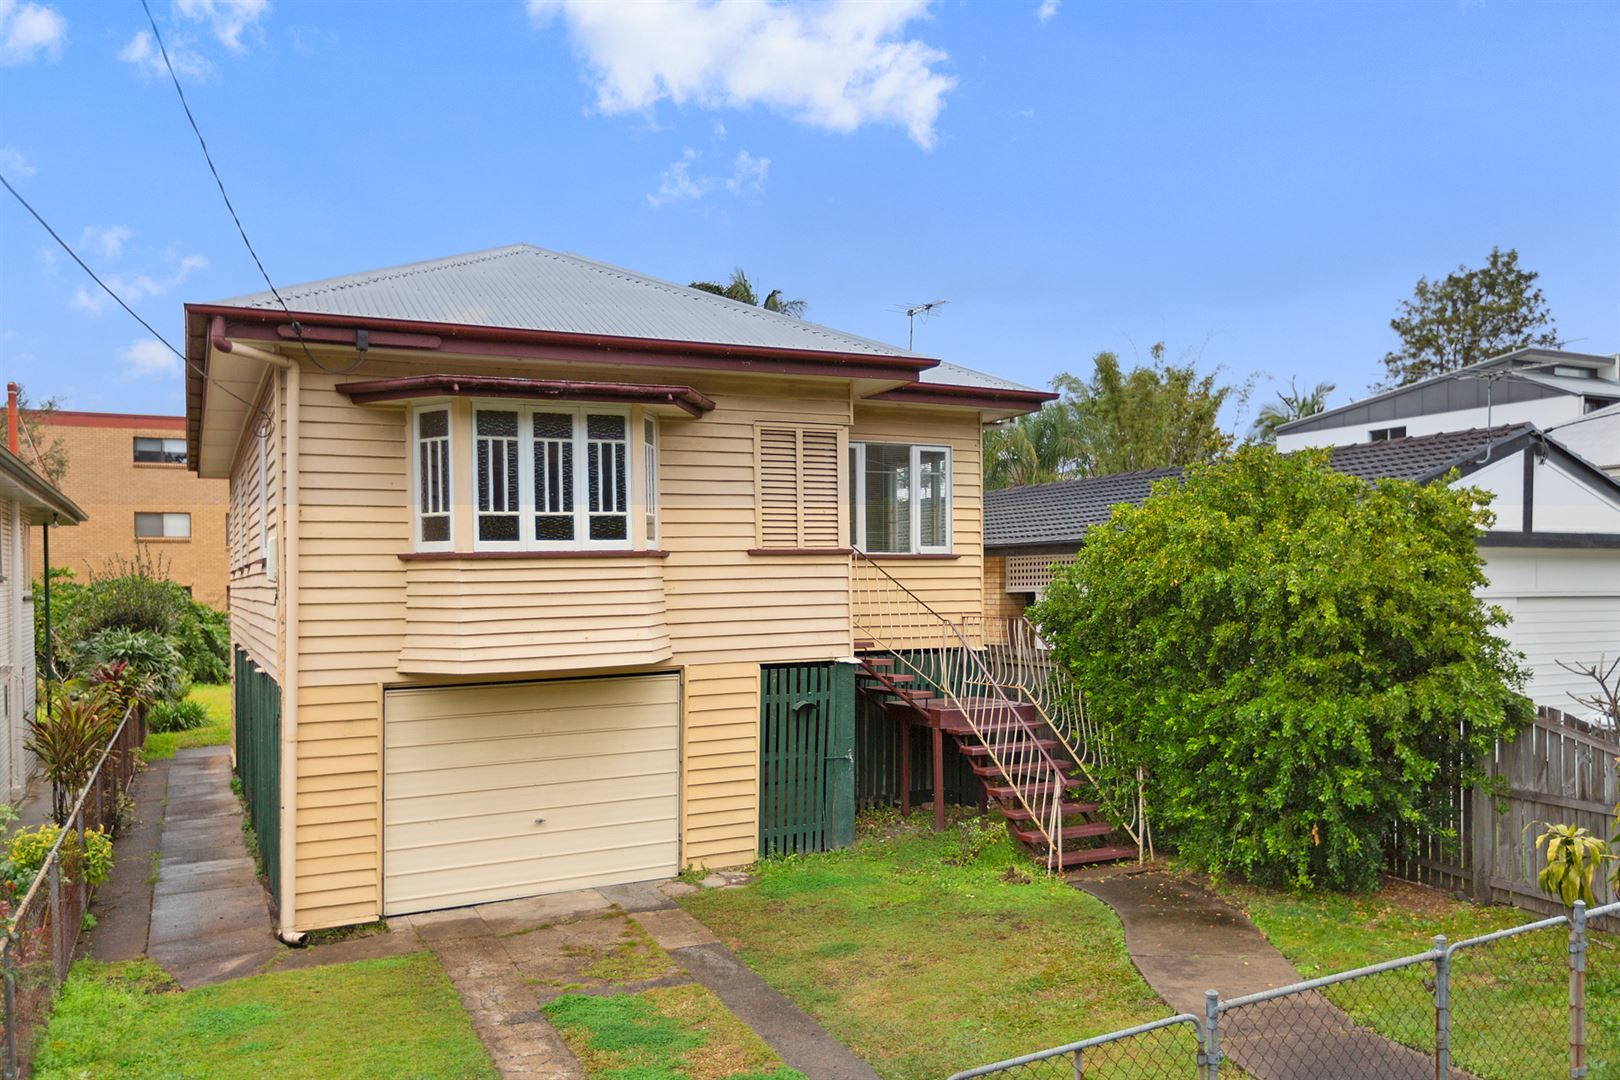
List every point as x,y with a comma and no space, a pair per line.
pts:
1291,404
1466,317
1296,656
1156,415
741,289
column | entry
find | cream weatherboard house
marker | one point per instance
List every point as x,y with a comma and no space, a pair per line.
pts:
513,536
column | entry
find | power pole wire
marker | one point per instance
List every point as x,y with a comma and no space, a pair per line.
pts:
74,255
202,142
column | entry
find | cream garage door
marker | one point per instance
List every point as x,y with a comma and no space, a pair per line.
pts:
496,792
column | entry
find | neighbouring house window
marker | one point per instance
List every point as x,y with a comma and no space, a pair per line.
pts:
160,451
551,478
150,526
432,487
796,470
1385,434
649,476
900,498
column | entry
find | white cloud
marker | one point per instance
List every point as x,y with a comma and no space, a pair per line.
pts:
838,65
13,162
142,52
135,287
228,19
1048,9
147,359
106,241
29,31
677,184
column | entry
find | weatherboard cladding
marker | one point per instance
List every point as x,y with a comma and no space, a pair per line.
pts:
523,287
1060,513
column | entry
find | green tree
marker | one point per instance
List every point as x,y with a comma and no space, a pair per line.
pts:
44,449
1291,404
1296,656
741,289
1466,317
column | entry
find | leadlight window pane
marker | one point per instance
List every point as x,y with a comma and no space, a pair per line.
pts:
888,498
933,498
553,426
598,426
553,527
498,527
649,477
608,528
496,453
436,530
433,425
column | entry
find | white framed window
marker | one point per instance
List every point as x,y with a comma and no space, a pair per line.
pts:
161,526
900,498
158,451
649,477
555,478
431,484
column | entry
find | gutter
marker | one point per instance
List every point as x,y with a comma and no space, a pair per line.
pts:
287,902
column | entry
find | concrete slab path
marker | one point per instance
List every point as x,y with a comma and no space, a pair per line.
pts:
1185,941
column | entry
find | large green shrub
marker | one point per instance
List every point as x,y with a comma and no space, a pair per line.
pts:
1296,656
187,714
146,653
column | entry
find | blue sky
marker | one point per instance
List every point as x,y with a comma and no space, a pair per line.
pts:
1257,184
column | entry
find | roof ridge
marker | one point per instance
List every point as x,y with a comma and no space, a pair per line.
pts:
339,282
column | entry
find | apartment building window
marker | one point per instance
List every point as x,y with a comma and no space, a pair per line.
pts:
160,451
162,526
1386,434
900,498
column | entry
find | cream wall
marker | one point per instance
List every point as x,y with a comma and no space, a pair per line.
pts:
726,609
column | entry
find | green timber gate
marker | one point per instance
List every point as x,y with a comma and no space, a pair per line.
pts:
806,757
257,701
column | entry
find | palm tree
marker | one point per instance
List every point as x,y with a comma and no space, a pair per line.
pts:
1291,404
741,289
1036,448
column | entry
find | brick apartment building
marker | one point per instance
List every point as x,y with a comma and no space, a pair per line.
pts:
128,471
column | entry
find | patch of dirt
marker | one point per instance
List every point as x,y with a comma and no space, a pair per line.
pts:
1015,875
1415,898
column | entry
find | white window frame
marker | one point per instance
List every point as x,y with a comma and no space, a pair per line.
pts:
858,487
649,477
416,476
526,511
165,518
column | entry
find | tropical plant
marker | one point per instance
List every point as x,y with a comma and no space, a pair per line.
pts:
28,848
1291,404
1466,317
1297,657
153,665
68,741
1036,448
125,685
739,288
1574,857
186,714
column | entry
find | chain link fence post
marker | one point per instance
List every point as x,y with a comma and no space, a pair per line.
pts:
1442,1009
1577,991
1212,1038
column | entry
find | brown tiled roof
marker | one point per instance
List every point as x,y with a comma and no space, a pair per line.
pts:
1060,513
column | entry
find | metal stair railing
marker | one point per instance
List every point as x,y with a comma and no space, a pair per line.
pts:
936,654
1021,661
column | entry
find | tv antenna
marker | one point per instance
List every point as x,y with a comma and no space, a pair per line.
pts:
911,312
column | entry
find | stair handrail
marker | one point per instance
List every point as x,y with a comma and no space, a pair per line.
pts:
1047,817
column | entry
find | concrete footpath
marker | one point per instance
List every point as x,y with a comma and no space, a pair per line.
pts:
1185,941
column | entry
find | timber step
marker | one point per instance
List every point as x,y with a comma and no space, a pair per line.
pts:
1069,809
1023,746
1036,767
1008,791
1087,856
1034,838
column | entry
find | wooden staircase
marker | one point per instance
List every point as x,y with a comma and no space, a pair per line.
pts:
1028,773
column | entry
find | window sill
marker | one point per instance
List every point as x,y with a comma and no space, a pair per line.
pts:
163,539
160,465
884,556
799,551
608,553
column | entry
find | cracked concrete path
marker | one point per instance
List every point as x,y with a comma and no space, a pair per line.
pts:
1185,941
210,916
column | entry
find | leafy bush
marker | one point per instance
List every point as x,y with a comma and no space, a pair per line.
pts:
204,640
147,654
69,741
1296,656
183,715
29,848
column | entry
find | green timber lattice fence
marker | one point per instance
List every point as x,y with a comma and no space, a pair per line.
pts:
258,758
877,763
806,757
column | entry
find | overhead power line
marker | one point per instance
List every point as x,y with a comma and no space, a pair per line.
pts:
150,329
223,194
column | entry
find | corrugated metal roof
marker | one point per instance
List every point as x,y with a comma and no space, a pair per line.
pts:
524,287
1060,513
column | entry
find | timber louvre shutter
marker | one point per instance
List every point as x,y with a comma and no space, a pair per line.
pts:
797,485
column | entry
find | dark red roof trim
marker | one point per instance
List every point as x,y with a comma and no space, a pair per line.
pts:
253,324
75,418
415,386
980,397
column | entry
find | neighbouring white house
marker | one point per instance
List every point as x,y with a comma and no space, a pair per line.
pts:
26,499
1549,388
1552,554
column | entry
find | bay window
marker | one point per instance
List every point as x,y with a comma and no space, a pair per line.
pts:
543,477
900,498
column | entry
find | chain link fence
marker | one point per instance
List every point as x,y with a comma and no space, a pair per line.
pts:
1538,1000
42,929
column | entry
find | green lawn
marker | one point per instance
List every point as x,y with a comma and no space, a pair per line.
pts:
672,1033
928,954
396,1017
1509,999
217,700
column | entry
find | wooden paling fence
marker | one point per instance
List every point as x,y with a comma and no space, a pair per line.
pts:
1560,770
